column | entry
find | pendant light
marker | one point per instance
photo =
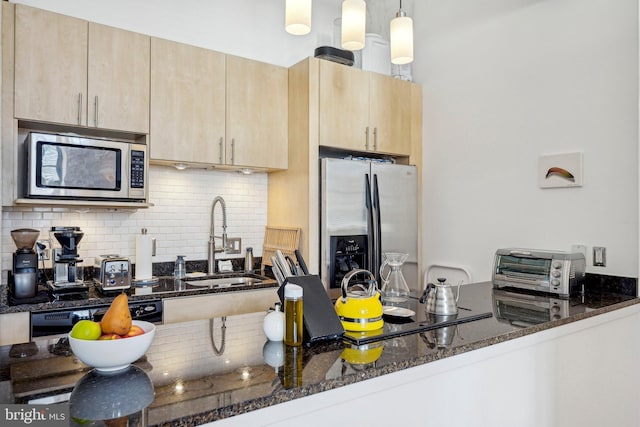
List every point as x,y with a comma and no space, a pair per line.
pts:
401,38
298,17
354,18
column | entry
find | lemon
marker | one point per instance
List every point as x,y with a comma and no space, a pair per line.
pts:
86,330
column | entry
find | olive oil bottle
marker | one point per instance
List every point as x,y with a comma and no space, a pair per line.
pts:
293,312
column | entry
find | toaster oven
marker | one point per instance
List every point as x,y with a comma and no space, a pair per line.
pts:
555,272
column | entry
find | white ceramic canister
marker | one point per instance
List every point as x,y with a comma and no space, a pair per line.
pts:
273,324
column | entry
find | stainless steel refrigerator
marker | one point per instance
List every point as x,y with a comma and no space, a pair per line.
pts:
368,207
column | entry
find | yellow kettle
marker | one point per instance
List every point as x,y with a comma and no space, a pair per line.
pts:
360,310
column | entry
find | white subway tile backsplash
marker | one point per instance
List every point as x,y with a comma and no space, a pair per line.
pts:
179,220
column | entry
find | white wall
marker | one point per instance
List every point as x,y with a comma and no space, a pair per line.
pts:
506,81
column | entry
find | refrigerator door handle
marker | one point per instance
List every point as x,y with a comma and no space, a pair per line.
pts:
370,224
378,230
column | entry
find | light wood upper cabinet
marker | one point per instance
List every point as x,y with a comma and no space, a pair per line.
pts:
257,108
216,109
69,71
50,67
344,107
364,111
187,103
390,114
118,80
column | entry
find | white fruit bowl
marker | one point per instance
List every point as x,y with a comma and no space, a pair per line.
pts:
113,355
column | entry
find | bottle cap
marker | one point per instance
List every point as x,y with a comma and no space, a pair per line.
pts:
292,291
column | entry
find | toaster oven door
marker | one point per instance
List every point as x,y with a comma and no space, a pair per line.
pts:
531,273
524,270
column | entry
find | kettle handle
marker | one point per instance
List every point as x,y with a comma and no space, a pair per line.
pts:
425,294
349,275
385,280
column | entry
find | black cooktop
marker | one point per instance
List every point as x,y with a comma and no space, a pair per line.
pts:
397,326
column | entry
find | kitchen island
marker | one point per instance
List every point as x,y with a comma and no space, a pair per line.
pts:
546,362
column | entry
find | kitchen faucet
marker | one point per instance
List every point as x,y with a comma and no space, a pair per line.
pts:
211,260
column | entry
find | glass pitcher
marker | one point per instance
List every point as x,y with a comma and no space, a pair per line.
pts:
394,287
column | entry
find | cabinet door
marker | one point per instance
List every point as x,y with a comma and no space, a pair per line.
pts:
187,103
344,107
390,115
15,329
187,309
118,79
257,114
50,67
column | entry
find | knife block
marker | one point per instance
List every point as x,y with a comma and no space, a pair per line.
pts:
321,323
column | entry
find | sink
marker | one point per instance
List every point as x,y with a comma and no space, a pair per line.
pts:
201,282
223,282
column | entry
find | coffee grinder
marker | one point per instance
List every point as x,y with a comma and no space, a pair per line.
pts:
25,263
67,272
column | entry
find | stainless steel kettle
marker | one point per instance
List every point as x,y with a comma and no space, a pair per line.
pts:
440,299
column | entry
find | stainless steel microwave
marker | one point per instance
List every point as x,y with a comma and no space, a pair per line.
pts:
75,167
555,272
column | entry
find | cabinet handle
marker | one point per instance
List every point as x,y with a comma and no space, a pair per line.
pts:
95,111
233,151
366,139
375,139
80,108
220,143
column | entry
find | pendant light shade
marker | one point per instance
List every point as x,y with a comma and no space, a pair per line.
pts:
354,18
401,38
298,17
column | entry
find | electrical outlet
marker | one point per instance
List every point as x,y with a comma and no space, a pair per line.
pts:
234,245
599,256
42,248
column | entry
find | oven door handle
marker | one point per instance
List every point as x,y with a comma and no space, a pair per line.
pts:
523,253
97,315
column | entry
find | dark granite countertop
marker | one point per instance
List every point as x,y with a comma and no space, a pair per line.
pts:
195,385
94,297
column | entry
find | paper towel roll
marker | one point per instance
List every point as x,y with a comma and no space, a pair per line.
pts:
144,251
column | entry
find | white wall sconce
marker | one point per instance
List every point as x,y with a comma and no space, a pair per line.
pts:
354,19
298,17
401,38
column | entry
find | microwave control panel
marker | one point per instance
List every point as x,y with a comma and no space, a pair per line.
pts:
137,169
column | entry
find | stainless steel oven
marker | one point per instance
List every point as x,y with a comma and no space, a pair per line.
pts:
60,321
